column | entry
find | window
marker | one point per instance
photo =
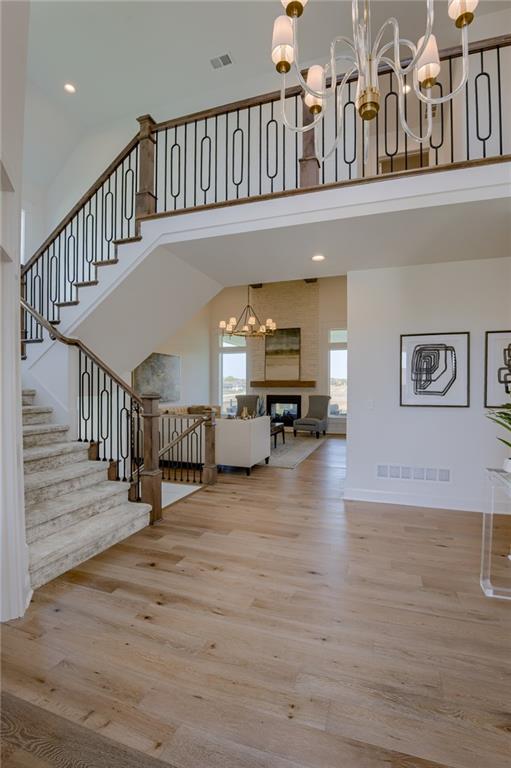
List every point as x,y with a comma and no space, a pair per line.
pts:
338,372
233,371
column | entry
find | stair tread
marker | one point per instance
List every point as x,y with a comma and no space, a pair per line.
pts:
92,531
105,262
47,477
37,409
28,392
50,509
38,429
53,449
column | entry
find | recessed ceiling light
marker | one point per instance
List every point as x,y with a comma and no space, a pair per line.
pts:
318,257
407,88
70,88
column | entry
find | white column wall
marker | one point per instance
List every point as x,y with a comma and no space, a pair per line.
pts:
382,304
15,585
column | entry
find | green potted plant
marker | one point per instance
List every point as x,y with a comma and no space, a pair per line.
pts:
502,417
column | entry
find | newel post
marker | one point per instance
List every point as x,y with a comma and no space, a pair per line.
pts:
150,476
146,197
210,472
309,165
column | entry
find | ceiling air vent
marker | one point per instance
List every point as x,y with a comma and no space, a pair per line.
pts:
221,61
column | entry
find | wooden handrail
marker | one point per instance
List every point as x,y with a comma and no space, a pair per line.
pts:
81,202
55,334
454,52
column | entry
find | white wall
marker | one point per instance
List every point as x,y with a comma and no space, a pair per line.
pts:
15,585
382,304
192,346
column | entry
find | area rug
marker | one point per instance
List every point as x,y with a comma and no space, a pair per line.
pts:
295,450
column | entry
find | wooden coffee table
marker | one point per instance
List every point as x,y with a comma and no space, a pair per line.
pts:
277,428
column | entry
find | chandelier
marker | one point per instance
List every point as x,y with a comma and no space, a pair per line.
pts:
363,56
248,323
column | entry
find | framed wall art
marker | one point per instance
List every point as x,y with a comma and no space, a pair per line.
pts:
435,370
497,368
159,373
282,354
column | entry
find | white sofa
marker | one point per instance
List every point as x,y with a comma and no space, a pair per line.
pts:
242,443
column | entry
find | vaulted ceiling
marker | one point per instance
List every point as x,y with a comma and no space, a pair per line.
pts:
129,58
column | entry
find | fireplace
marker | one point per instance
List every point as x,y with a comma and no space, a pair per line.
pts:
284,408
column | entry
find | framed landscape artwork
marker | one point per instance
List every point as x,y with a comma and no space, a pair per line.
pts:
159,373
435,370
497,368
282,355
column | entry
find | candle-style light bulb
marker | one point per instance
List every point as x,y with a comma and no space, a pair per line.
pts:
315,81
282,50
428,66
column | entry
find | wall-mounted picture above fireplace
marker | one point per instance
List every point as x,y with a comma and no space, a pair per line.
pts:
282,354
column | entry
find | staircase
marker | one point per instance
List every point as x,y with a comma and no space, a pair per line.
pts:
72,510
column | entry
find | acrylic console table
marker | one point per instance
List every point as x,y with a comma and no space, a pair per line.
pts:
500,482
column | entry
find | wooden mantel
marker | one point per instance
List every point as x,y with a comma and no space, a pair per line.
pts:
279,383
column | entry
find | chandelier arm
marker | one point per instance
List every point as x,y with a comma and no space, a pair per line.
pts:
340,119
294,128
388,46
334,58
464,77
401,100
397,41
331,66
356,33
301,80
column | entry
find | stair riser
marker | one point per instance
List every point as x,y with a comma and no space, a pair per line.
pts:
37,530
36,495
54,462
27,399
45,438
37,418
63,563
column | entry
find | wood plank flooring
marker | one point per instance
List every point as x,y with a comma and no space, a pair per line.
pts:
265,624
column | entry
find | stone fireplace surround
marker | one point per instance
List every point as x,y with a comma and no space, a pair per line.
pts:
276,414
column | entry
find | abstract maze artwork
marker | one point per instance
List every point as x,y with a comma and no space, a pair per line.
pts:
433,369
504,373
497,384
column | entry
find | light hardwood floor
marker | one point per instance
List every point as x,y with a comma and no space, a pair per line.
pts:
262,623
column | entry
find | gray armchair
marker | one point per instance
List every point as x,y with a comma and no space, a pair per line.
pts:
317,417
251,402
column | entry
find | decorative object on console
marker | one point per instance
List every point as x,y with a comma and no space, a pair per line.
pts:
247,406
248,324
497,368
160,374
502,417
316,420
282,355
362,58
435,370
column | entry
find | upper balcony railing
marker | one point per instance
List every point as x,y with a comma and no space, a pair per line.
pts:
242,152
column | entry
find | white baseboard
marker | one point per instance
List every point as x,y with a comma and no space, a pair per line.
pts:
416,500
